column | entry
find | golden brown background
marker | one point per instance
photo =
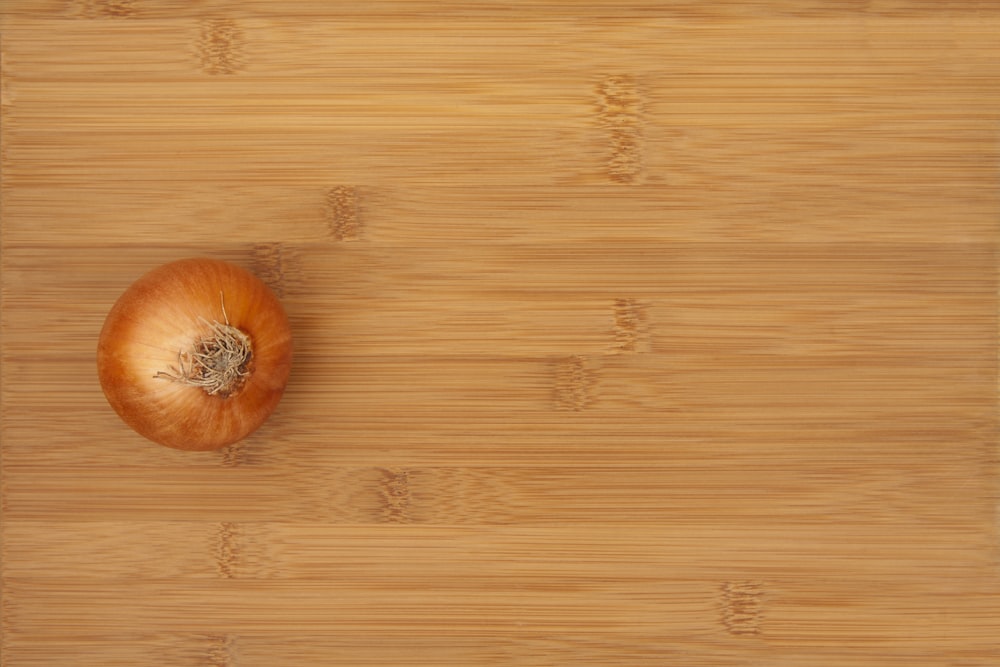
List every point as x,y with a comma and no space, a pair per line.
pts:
639,333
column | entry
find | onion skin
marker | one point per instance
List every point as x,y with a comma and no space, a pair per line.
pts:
163,315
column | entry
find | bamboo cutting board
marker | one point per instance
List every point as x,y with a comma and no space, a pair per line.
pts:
641,333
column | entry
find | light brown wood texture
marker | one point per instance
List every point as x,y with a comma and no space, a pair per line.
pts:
638,333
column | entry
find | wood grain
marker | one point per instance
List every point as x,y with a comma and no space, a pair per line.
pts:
633,333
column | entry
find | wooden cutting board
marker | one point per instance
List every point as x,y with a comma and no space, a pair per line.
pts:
640,333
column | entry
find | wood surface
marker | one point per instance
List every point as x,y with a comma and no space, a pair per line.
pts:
639,333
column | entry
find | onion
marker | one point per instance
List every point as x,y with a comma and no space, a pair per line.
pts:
195,354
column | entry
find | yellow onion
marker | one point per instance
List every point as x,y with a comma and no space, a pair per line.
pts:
195,354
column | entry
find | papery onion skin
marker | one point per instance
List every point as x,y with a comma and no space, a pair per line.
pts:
163,315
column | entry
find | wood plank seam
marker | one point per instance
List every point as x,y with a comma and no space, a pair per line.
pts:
620,111
742,607
220,47
343,212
